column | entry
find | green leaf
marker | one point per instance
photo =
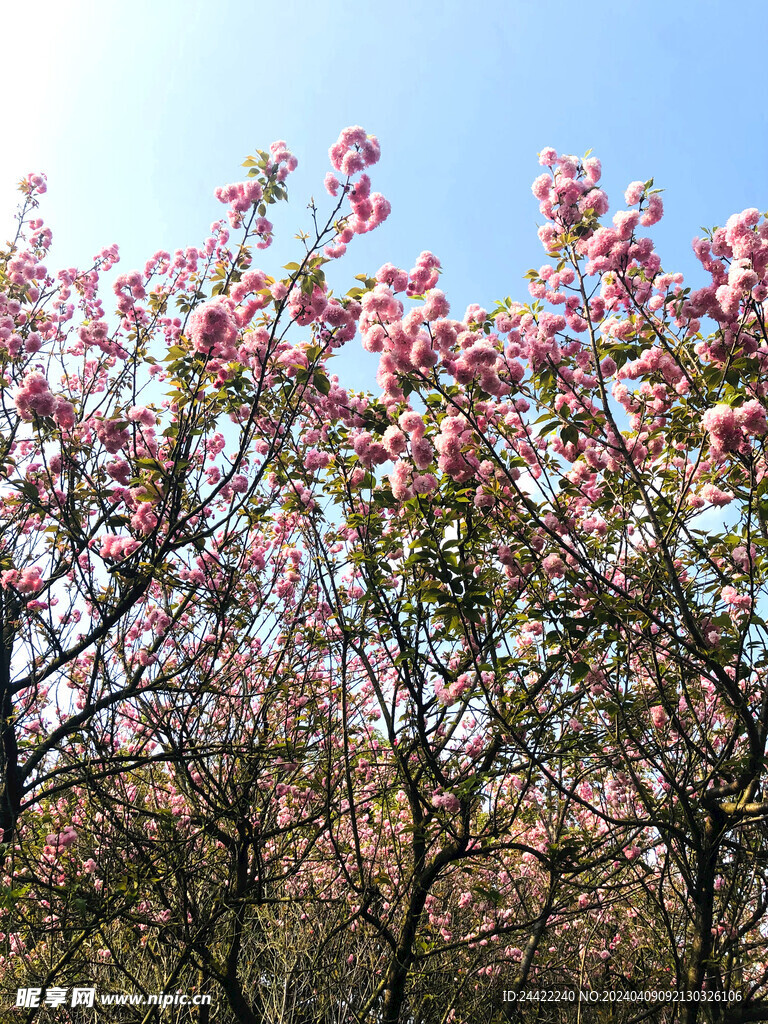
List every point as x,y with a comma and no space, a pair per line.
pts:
579,671
321,382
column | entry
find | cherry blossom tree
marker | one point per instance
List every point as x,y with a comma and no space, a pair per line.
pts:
380,706
137,457
588,443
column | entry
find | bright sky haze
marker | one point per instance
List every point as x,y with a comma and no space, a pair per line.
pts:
137,111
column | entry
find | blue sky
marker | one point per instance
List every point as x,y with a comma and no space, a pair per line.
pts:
137,111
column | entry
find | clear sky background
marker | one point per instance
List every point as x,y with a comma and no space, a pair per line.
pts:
136,111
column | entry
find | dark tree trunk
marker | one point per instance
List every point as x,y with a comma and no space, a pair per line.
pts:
703,899
10,779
